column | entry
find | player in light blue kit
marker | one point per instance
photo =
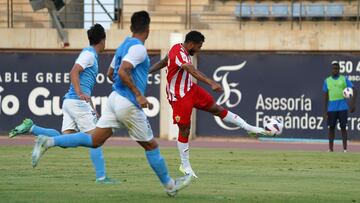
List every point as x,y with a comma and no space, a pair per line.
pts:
79,113
123,108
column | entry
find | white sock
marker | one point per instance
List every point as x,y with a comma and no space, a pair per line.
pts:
50,142
237,120
184,154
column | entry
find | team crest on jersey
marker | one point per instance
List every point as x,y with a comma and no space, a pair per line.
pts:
177,118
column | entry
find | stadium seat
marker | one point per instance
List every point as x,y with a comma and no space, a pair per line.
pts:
261,11
335,10
315,11
296,10
280,11
245,11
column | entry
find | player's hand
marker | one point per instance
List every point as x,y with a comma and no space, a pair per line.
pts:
84,97
97,114
216,87
142,101
325,115
352,108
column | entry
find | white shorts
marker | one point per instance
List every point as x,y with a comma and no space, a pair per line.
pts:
78,115
120,112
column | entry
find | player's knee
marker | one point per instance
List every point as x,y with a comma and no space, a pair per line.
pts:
185,132
97,142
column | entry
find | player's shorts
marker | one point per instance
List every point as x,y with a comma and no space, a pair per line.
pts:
120,112
197,98
78,115
333,116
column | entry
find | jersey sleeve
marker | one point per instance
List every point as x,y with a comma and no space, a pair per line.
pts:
178,56
112,64
325,88
136,55
85,59
348,82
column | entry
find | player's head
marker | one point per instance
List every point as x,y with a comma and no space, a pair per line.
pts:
194,41
96,35
335,69
140,23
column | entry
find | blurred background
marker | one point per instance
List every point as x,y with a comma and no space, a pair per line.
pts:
270,56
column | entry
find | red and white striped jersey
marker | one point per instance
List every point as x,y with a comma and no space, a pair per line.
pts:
178,80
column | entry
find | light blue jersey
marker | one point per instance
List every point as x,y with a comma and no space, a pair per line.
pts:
139,72
88,59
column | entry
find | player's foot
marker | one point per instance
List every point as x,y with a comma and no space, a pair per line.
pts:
39,149
23,128
330,150
187,171
106,181
345,150
179,184
259,131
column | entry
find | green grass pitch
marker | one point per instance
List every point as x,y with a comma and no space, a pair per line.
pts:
225,175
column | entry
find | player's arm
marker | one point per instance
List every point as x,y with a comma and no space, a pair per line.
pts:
326,102
353,98
326,98
75,81
201,77
110,71
125,76
353,101
136,55
159,65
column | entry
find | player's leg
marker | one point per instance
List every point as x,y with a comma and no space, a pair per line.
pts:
27,126
100,135
139,130
182,110
204,101
43,143
343,116
331,122
85,120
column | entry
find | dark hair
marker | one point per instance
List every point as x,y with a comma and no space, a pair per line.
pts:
195,36
95,34
140,21
335,64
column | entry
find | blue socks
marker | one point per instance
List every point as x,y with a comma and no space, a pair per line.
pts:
96,154
36,130
73,140
97,158
158,165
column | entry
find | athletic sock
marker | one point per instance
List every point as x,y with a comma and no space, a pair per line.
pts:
37,130
97,158
237,120
157,163
73,140
184,153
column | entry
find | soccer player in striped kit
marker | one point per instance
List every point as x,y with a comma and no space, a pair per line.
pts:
184,95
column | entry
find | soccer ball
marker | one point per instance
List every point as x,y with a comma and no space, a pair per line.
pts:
348,92
273,126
